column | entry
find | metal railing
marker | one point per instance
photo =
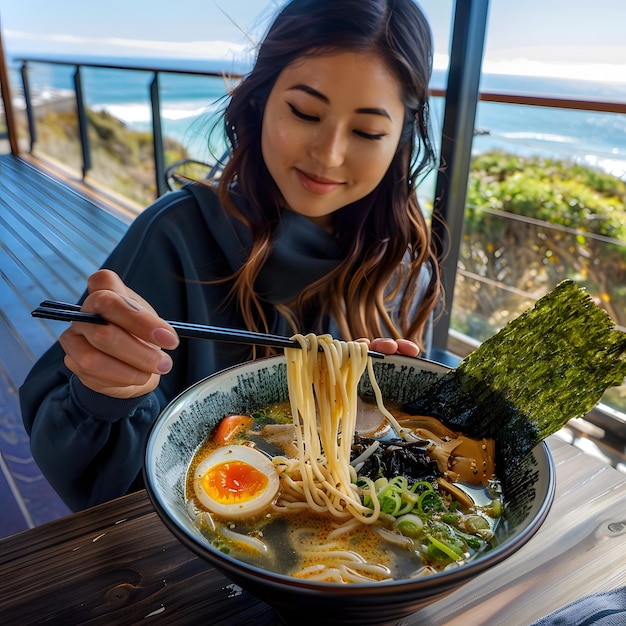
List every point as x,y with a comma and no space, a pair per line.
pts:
81,109
597,106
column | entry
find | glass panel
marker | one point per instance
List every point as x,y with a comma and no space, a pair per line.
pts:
190,109
19,106
509,261
54,111
120,132
584,137
439,16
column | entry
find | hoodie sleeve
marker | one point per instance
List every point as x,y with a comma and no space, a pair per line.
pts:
88,445
85,443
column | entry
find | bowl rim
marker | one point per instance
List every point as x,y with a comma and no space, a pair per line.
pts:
233,566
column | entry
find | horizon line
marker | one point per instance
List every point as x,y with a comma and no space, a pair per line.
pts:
216,50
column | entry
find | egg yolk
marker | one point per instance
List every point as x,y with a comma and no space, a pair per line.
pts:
236,481
233,481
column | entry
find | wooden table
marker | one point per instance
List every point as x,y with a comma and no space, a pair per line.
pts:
118,564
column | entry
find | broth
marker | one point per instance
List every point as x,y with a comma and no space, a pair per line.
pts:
458,507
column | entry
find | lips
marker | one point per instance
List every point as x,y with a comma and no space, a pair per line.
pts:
316,184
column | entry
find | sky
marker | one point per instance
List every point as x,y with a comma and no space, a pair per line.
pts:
567,38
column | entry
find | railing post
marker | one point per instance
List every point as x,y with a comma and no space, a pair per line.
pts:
32,130
466,55
157,137
5,90
82,122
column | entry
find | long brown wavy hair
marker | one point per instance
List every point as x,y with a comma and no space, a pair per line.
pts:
384,235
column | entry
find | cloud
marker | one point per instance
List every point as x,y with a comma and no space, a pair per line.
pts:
543,64
55,43
523,66
604,72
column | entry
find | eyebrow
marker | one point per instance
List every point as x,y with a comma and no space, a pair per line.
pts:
320,96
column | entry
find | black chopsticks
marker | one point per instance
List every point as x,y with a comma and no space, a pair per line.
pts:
62,311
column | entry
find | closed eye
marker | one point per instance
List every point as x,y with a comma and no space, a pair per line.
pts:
313,118
301,115
370,136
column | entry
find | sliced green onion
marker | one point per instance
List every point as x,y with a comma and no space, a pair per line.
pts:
428,502
379,483
450,518
474,523
474,542
422,484
494,509
410,525
451,551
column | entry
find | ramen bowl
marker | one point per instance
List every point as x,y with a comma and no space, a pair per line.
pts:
187,421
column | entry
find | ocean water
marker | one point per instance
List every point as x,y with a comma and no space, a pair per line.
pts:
189,105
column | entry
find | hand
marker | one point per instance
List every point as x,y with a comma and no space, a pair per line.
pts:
393,346
124,358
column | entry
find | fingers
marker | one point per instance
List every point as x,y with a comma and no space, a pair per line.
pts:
384,345
111,340
104,373
407,347
127,313
119,305
394,346
125,357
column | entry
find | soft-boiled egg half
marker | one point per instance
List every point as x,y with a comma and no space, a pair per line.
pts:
235,481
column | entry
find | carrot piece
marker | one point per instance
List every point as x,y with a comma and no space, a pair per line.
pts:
230,426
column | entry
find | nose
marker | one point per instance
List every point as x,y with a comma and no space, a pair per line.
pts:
329,145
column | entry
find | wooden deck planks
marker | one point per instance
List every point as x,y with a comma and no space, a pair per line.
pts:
51,239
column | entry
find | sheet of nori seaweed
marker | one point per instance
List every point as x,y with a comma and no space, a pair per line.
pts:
547,366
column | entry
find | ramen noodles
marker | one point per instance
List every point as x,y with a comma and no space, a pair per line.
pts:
300,489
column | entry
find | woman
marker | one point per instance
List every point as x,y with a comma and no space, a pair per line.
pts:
314,226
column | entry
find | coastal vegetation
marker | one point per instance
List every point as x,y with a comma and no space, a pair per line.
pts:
122,159
531,223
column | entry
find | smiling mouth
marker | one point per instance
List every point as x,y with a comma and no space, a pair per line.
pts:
316,184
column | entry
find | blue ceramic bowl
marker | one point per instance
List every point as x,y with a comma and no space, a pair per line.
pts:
186,422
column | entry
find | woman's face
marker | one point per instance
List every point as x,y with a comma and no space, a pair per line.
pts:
331,127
